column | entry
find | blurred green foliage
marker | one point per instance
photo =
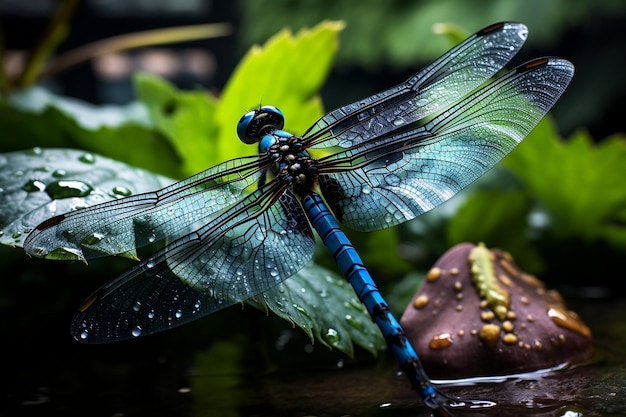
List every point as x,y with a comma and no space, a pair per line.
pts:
399,33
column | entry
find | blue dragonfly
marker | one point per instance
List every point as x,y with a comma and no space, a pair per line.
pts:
241,227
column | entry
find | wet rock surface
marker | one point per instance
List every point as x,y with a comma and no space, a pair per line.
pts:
478,314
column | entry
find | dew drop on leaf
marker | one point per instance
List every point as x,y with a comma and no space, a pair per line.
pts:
87,158
34,186
121,191
65,189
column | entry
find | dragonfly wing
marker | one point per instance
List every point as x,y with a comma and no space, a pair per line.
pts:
396,177
248,249
121,226
434,88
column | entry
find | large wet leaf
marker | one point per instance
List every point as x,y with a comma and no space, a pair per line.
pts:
324,305
36,117
37,184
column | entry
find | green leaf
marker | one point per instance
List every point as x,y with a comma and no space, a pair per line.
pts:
38,184
185,118
380,250
323,304
36,117
499,218
287,72
579,183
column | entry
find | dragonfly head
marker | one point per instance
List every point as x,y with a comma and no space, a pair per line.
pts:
257,123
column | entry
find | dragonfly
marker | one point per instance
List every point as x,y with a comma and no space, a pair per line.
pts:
241,227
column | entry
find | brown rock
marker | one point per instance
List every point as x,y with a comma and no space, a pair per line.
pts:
478,314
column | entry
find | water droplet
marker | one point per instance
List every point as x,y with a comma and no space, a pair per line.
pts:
178,314
568,320
34,186
59,173
354,322
93,239
151,314
487,316
68,234
489,334
509,339
87,158
392,179
366,189
441,341
421,301
39,251
121,191
433,274
137,306
64,189
34,151
300,309
84,334
332,336
507,326
136,332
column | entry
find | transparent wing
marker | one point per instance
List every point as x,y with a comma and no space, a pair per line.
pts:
251,247
436,87
121,226
395,177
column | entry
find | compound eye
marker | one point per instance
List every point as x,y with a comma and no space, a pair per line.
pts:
255,124
242,126
275,113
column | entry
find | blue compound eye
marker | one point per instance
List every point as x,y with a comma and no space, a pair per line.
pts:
242,125
255,124
275,111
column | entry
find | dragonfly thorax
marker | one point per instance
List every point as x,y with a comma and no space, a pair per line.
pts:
292,164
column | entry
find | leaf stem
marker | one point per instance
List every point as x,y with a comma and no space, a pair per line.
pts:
134,40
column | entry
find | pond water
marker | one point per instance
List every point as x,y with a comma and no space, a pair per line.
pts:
191,372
